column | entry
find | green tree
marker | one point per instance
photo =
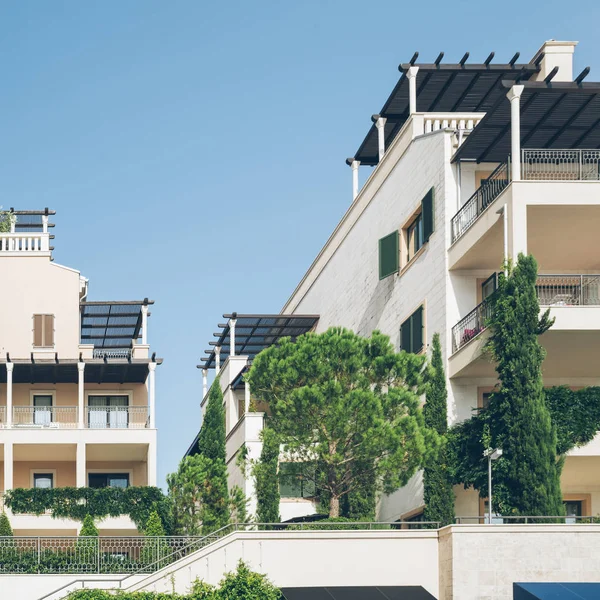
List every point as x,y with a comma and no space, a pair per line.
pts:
244,583
347,404
88,527
266,480
87,546
238,505
5,528
155,548
6,220
437,481
211,440
527,476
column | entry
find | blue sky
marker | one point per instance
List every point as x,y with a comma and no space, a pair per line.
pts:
194,151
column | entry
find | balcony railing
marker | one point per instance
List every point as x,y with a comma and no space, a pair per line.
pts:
2,417
112,352
568,290
561,165
480,200
39,417
471,325
25,243
117,417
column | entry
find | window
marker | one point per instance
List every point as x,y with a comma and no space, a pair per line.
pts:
417,518
420,227
43,480
293,480
485,399
411,332
43,331
42,409
108,412
102,480
389,255
488,287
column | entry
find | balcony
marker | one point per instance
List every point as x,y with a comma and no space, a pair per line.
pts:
67,417
536,165
471,326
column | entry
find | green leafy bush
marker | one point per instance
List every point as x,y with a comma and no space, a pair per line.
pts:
5,528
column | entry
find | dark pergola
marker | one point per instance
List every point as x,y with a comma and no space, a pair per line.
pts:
111,324
459,87
562,115
254,333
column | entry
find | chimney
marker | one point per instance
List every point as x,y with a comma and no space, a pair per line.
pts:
556,54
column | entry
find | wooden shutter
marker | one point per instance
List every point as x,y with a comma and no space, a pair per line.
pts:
48,330
38,330
389,255
427,208
417,330
405,335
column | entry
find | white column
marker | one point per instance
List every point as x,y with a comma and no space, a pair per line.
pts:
232,323
152,393
514,95
44,223
9,393
80,465
246,397
355,164
144,323
217,359
80,395
151,464
412,88
380,124
8,466
204,382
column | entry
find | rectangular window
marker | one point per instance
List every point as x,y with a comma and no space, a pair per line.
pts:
42,409
427,211
419,228
411,332
102,480
43,480
108,412
488,287
573,509
294,481
43,331
414,237
389,255
485,399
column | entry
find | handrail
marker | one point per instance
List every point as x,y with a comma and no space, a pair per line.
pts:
483,197
471,325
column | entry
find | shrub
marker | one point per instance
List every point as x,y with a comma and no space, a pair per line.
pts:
5,528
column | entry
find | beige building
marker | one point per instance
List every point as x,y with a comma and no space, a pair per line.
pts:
77,381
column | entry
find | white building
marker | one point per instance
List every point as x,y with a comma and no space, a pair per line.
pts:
77,382
473,163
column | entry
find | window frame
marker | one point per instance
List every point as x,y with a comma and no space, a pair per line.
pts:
44,343
107,473
33,473
492,278
304,495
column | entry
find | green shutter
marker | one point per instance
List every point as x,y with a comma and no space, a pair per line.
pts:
417,330
389,255
427,208
405,335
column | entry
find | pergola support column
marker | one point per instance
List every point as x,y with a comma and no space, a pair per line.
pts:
9,393
380,124
412,89
514,95
232,323
354,164
80,395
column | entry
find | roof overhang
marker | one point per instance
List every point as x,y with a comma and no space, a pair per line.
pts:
443,88
358,593
560,115
553,591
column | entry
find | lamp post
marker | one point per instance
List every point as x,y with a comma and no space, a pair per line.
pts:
491,454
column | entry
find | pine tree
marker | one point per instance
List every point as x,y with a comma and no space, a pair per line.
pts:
211,443
266,478
155,548
527,477
88,528
437,484
5,528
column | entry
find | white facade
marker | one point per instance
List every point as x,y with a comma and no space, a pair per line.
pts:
70,410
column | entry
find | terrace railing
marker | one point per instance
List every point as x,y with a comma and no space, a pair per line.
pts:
25,243
471,326
52,417
472,209
560,165
117,417
2,417
568,290
112,352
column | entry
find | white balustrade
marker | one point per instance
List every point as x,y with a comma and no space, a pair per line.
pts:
25,243
50,417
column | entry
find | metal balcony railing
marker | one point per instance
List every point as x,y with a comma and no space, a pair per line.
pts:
117,417
472,209
112,352
51,417
2,417
471,325
560,165
568,290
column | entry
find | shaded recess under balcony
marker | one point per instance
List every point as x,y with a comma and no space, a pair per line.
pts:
442,87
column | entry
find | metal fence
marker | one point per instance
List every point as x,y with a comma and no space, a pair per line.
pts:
112,352
528,520
471,325
58,417
117,417
560,165
568,290
489,190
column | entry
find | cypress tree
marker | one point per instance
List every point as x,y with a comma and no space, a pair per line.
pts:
527,477
211,443
266,479
437,484
5,528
